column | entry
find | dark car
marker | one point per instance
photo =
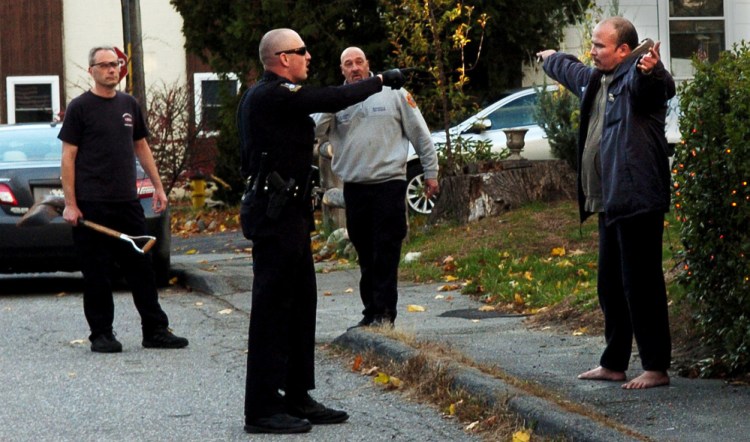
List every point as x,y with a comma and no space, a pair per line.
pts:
29,171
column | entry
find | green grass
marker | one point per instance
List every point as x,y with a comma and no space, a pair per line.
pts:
532,257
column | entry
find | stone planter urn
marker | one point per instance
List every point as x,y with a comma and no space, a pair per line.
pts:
515,143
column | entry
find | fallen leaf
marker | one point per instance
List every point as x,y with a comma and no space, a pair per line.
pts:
191,252
61,294
77,341
558,251
327,294
471,426
199,304
448,287
439,296
226,311
173,280
370,371
475,320
357,366
452,409
521,436
518,299
381,378
414,308
577,252
486,308
349,290
450,278
580,332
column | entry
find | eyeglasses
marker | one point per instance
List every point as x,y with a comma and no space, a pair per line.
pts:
108,64
299,51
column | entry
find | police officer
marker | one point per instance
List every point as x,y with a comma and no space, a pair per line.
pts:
277,137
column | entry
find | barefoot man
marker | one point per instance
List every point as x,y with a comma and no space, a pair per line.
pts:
623,177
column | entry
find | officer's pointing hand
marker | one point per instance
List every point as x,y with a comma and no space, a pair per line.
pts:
393,78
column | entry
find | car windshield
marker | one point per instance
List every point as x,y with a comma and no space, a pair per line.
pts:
39,144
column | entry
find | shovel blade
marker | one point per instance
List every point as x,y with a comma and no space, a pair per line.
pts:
43,212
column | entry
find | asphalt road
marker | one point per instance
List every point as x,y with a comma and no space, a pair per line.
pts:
53,388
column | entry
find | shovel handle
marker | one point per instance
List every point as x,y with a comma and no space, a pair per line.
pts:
100,228
119,235
148,245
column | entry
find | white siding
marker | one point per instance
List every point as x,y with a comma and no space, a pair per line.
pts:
89,23
739,21
650,18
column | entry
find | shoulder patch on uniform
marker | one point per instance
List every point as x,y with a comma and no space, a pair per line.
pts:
292,87
410,101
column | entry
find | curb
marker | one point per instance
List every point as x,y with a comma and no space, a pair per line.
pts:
547,418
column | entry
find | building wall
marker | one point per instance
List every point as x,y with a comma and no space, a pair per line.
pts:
24,53
89,23
651,19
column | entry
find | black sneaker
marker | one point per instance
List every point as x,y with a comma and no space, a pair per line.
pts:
106,343
305,407
277,424
164,339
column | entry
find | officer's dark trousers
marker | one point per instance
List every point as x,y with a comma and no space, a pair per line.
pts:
281,345
632,292
99,253
376,222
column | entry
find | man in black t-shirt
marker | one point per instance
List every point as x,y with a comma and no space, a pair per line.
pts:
102,134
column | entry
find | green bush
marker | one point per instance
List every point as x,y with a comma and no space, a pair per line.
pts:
558,113
712,199
466,152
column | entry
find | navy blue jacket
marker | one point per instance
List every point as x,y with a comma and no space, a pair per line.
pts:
634,154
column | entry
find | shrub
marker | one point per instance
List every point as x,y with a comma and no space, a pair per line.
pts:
558,113
712,200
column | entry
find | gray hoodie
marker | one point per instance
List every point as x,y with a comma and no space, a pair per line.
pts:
370,139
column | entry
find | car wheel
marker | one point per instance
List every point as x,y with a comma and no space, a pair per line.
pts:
415,197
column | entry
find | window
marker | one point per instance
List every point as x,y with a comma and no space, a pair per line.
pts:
696,28
209,89
33,99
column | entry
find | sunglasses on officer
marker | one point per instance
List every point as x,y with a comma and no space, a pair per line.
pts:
299,51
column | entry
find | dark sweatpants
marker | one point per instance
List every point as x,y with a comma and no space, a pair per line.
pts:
632,293
99,253
376,222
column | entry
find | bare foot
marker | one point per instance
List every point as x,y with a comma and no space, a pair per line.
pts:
649,379
602,374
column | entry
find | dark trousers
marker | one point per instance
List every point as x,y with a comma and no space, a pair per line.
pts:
281,345
632,293
99,254
376,222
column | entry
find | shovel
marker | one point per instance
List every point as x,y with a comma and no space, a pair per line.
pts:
44,211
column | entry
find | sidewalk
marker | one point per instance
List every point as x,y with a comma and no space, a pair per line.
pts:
687,410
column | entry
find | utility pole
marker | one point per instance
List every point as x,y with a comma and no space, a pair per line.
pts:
131,30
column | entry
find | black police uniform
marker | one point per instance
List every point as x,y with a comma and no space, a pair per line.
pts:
277,136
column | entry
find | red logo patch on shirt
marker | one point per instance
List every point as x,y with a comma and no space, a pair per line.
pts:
410,100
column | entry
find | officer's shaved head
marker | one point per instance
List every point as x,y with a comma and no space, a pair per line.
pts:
277,40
